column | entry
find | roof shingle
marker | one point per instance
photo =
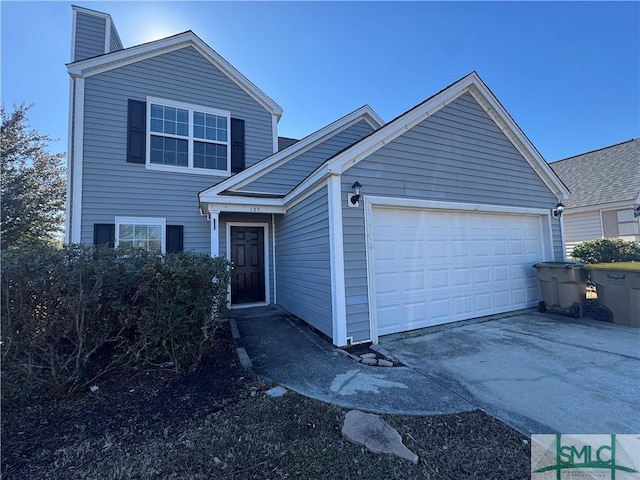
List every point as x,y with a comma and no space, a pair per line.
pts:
607,175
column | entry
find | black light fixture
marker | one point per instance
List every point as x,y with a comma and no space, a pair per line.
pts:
356,188
636,212
557,210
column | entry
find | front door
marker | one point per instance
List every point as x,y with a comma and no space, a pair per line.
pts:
247,255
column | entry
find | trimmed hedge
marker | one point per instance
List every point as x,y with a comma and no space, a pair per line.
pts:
71,314
607,250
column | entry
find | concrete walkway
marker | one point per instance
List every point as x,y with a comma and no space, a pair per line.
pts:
286,351
538,373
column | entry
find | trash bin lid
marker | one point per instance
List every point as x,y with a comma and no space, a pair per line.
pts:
559,265
627,266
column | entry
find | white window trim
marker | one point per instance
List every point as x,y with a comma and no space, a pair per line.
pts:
142,221
190,168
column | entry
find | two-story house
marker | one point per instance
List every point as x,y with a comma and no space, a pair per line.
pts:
361,229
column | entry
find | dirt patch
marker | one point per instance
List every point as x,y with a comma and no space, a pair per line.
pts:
217,422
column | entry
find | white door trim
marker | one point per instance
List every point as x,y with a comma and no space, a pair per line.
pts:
267,271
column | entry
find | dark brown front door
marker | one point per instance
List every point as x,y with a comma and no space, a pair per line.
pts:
247,255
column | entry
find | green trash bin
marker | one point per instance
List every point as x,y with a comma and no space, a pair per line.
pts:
618,288
563,286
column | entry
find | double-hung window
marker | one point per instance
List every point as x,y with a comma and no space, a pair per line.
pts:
140,232
188,138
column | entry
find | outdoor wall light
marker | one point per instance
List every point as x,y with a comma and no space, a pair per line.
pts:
354,196
636,212
557,210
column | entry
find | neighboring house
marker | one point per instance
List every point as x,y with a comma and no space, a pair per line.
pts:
605,194
172,148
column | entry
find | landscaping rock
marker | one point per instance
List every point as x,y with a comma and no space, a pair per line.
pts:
384,363
375,434
369,361
276,391
368,355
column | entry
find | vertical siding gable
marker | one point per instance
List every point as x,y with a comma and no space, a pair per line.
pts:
111,186
303,261
459,155
285,177
89,36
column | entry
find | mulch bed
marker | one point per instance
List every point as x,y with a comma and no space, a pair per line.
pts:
217,422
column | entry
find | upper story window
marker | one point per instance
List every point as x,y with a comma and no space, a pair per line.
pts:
188,138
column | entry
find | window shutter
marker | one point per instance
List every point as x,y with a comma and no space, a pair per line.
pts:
175,237
104,234
136,131
237,145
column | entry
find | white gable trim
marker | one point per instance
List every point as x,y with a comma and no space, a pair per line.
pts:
78,151
265,166
104,63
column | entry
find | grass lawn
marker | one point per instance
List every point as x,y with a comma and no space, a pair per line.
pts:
217,422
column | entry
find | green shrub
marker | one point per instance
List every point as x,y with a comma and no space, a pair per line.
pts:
607,250
179,298
69,315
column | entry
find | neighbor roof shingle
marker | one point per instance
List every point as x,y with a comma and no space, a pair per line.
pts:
608,175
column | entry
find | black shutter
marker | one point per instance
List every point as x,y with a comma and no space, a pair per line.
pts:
237,145
175,236
136,131
104,234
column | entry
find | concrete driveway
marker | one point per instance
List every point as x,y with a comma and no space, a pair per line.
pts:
540,373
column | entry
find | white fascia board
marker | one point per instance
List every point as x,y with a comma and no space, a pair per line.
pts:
103,63
401,202
242,207
74,27
67,215
510,128
274,161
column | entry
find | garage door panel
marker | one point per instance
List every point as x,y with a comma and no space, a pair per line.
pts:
434,267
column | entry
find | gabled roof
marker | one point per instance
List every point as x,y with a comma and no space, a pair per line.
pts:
283,156
393,129
601,177
345,159
109,61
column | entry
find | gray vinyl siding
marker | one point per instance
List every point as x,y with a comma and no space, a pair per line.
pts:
284,178
248,218
456,155
303,261
112,187
581,227
89,36
114,44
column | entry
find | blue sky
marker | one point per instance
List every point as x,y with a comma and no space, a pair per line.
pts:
567,72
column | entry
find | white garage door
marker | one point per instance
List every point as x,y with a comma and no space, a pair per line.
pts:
432,267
